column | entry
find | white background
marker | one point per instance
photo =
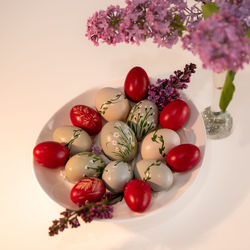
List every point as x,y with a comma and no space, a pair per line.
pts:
45,61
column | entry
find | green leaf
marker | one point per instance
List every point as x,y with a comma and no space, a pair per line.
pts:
209,9
227,91
178,25
248,34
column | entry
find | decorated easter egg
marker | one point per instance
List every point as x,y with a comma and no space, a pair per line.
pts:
157,144
112,104
88,189
86,118
116,175
76,139
118,141
85,164
155,173
143,118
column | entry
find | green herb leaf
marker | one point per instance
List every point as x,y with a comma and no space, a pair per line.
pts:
227,91
209,9
154,137
248,34
178,25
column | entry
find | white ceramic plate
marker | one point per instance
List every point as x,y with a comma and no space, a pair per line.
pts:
58,189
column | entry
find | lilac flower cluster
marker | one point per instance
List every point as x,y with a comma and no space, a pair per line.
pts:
165,91
105,25
96,149
204,1
237,8
220,42
101,210
161,20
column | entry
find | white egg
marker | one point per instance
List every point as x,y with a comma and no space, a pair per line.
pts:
157,174
116,175
85,164
157,144
112,104
77,139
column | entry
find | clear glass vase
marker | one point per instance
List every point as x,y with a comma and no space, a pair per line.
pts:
218,124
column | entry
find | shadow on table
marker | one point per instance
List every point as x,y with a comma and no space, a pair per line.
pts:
211,200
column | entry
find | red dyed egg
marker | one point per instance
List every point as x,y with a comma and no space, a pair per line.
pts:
174,115
51,154
86,118
183,157
137,195
88,189
136,84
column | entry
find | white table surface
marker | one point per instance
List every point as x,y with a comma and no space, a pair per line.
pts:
45,61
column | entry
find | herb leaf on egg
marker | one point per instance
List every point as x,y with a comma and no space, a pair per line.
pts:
161,140
147,171
76,134
105,105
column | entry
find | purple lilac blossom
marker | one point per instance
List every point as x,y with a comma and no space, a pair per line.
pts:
96,149
238,8
166,90
141,20
104,25
203,1
220,42
101,210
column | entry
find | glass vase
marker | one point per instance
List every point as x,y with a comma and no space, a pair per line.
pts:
218,124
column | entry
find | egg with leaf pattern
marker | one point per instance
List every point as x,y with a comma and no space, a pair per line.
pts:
84,164
76,139
143,118
157,174
157,144
112,104
118,141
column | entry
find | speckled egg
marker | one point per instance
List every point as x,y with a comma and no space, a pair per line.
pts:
85,164
116,175
156,144
112,104
155,173
78,139
118,141
143,118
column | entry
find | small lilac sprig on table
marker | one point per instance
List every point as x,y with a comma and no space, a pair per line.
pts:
100,210
167,90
